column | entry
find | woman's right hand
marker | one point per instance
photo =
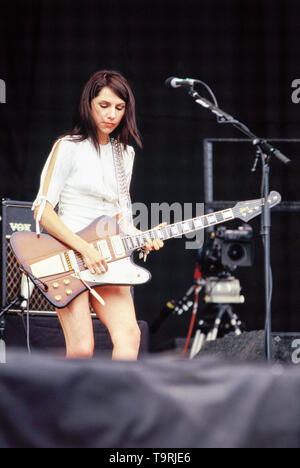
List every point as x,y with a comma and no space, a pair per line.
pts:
93,260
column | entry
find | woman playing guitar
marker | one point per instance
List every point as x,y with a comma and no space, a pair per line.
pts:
80,177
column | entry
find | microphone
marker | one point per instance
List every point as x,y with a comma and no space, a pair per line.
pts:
26,290
270,150
173,82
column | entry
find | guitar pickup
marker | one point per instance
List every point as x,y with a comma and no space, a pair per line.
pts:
49,266
118,246
104,249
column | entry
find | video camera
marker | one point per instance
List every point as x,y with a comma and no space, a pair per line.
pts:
227,249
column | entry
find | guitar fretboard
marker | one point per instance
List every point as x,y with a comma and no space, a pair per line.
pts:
180,228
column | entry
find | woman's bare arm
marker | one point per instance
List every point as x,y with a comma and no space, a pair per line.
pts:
54,226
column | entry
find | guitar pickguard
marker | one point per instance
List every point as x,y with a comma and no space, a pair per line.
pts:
122,272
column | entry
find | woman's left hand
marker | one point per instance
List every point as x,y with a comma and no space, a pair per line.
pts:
155,244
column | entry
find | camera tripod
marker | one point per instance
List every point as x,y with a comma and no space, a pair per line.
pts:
209,331
221,292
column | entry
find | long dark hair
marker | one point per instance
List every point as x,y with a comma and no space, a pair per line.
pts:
84,125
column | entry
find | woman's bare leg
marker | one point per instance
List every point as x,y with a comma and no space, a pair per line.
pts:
77,326
118,315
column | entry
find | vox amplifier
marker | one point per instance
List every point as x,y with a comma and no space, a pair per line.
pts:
17,216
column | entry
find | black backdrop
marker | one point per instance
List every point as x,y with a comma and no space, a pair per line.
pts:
246,50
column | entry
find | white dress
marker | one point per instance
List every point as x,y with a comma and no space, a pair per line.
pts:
83,183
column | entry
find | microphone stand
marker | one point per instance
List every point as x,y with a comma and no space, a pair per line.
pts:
264,150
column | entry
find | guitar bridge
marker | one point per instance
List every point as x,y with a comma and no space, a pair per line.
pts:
66,261
72,261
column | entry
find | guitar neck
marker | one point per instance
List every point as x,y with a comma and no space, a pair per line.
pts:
181,228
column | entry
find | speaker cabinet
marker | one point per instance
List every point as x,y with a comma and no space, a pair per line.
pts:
17,216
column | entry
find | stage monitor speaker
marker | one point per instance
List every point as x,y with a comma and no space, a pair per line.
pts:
250,346
17,216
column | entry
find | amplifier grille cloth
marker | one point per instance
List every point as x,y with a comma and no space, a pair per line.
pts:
13,281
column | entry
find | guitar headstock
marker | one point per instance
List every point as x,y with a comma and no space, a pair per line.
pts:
250,209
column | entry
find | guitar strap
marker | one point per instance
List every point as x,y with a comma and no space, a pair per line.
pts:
126,217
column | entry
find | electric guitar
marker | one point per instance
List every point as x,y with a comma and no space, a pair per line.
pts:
59,272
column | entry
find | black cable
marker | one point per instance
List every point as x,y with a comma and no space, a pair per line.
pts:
35,280
27,324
